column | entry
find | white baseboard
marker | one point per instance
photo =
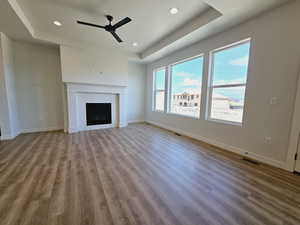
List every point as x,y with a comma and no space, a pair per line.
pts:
136,121
224,146
7,137
45,129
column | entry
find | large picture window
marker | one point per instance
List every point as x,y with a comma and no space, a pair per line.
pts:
159,89
186,81
228,77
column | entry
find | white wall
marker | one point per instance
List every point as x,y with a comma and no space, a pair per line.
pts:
107,67
9,121
39,87
136,92
273,72
91,66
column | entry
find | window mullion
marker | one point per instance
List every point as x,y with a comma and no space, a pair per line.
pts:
228,85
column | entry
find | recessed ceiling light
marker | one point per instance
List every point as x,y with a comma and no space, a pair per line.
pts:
173,11
135,44
57,23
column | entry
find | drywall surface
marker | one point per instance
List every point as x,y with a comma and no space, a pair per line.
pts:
273,72
136,99
39,87
9,120
103,66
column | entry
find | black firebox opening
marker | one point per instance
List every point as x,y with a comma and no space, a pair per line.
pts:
98,113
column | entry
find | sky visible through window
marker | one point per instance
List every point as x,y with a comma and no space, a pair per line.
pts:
160,79
187,76
230,67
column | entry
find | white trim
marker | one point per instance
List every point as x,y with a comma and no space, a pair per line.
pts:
136,121
182,115
30,130
294,133
229,85
7,137
154,90
231,45
75,90
44,129
223,146
187,59
227,122
158,111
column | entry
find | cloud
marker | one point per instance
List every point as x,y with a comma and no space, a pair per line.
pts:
236,81
243,61
184,74
188,90
191,82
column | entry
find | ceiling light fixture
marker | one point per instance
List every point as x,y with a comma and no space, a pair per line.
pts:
174,11
57,23
135,44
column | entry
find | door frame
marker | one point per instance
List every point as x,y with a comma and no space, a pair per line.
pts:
294,133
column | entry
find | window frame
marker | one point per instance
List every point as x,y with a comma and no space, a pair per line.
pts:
170,85
211,87
155,90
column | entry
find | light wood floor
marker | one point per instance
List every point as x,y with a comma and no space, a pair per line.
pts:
138,175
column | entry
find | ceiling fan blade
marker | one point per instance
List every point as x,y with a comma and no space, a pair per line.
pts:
116,36
90,24
122,22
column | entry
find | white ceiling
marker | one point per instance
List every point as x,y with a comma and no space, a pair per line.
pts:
155,30
10,22
151,19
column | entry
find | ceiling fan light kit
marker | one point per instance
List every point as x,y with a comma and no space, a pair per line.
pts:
110,28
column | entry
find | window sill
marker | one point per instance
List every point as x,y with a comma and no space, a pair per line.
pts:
158,111
186,116
225,122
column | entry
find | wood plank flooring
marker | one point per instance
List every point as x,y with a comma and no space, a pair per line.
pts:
139,175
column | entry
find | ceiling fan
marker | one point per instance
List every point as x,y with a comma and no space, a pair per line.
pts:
110,28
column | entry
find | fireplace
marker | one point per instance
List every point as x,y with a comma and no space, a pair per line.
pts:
98,114
87,102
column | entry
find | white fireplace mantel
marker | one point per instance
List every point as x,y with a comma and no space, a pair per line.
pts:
74,90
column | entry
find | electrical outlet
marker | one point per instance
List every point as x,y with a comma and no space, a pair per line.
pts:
268,140
273,101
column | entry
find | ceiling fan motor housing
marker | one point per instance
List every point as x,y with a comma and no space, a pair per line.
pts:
109,18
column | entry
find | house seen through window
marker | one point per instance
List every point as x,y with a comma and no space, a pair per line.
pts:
186,81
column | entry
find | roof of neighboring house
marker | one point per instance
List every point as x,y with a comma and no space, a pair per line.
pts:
198,92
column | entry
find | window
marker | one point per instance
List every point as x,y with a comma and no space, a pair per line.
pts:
186,80
159,89
229,68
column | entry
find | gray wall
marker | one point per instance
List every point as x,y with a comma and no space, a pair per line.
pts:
39,87
136,92
94,66
273,72
9,121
